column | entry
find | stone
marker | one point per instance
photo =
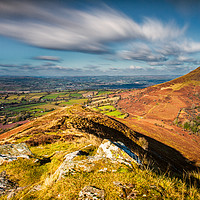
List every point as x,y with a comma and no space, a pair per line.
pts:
91,193
91,163
10,152
117,151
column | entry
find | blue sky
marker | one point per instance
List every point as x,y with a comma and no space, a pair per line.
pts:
87,37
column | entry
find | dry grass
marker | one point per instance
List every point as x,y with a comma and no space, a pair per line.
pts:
146,184
80,126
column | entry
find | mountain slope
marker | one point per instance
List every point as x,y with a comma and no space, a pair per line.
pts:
157,110
191,76
51,172
78,122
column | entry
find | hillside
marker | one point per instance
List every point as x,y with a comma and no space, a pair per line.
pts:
65,156
74,151
191,76
168,113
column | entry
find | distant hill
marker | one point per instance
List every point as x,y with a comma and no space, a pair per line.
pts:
166,97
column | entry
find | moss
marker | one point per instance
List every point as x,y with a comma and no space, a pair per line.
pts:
23,139
90,150
145,183
24,171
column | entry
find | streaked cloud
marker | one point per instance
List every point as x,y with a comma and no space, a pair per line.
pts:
90,30
185,46
159,45
141,52
173,53
135,67
47,58
42,67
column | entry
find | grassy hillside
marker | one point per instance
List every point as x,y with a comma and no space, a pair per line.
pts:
53,136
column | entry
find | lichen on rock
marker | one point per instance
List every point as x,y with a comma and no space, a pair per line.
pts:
10,152
110,157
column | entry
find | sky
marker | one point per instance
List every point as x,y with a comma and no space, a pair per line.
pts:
93,37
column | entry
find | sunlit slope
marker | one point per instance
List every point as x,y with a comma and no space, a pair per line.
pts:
79,122
165,100
155,110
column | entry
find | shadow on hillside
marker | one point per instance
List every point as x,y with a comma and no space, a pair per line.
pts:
160,156
170,160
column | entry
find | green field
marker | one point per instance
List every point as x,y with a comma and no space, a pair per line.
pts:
115,113
107,108
103,92
23,107
17,98
75,95
30,105
12,97
74,101
110,111
51,96
5,101
19,107
64,95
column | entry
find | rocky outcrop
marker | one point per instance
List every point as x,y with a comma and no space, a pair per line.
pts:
117,151
10,152
109,158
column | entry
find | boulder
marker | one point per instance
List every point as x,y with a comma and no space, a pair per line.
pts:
10,152
117,151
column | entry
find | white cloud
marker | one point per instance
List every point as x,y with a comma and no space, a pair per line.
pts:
135,67
179,47
47,58
141,52
189,46
94,30
77,30
154,29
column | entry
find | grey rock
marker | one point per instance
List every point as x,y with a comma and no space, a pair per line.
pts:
10,152
117,151
109,158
